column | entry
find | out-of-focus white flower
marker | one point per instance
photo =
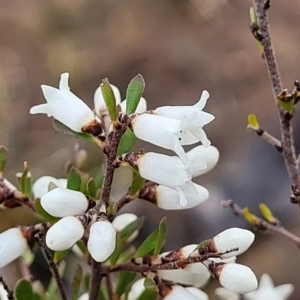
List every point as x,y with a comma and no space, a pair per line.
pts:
136,289
61,202
179,293
64,106
9,185
232,238
224,294
102,240
169,199
141,108
99,103
198,293
3,293
167,171
121,221
193,117
267,290
84,297
64,233
12,245
41,186
237,278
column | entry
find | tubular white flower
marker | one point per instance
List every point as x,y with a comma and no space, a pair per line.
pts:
233,238
64,106
61,202
198,293
121,221
209,155
64,234
41,186
161,131
141,108
12,245
237,278
179,293
102,240
99,103
193,117
84,297
267,290
167,171
169,199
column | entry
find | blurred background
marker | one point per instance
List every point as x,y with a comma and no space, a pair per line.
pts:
181,48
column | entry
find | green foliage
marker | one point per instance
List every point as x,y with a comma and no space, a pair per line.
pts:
137,183
74,179
127,142
42,213
23,290
134,92
131,228
151,291
76,282
252,121
91,188
109,99
59,255
118,248
124,280
3,158
154,242
287,103
24,180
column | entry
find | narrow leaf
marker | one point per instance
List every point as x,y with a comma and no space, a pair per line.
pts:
23,290
127,142
134,93
74,179
3,158
118,248
109,99
131,228
161,236
267,213
137,183
124,280
76,282
91,188
59,255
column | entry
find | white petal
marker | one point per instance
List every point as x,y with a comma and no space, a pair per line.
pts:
64,82
64,234
137,289
9,185
12,245
99,103
61,202
202,101
284,290
41,186
102,240
3,293
141,108
233,238
179,293
41,109
84,297
238,278
198,293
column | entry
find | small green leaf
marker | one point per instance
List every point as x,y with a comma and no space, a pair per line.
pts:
131,228
118,248
86,281
267,213
91,188
286,104
3,158
60,127
124,280
82,247
253,16
134,93
43,214
24,180
59,255
74,179
252,121
76,282
109,99
149,284
37,296
23,290
154,241
151,291
137,183
127,142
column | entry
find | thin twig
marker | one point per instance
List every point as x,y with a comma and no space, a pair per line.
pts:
267,137
262,224
109,286
10,293
286,130
52,266
97,276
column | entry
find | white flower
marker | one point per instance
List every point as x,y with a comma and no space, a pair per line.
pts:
179,293
167,171
136,289
141,108
198,293
12,245
232,238
64,233
267,290
61,202
64,106
9,185
121,221
169,199
84,297
194,119
41,186
99,103
224,294
102,240
237,278
3,293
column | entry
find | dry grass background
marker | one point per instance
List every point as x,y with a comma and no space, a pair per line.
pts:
181,48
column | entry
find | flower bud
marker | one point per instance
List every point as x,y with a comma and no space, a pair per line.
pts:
64,234
102,240
232,238
64,106
136,289
12,245
178,292
41,186
235,277
121,221
61,202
